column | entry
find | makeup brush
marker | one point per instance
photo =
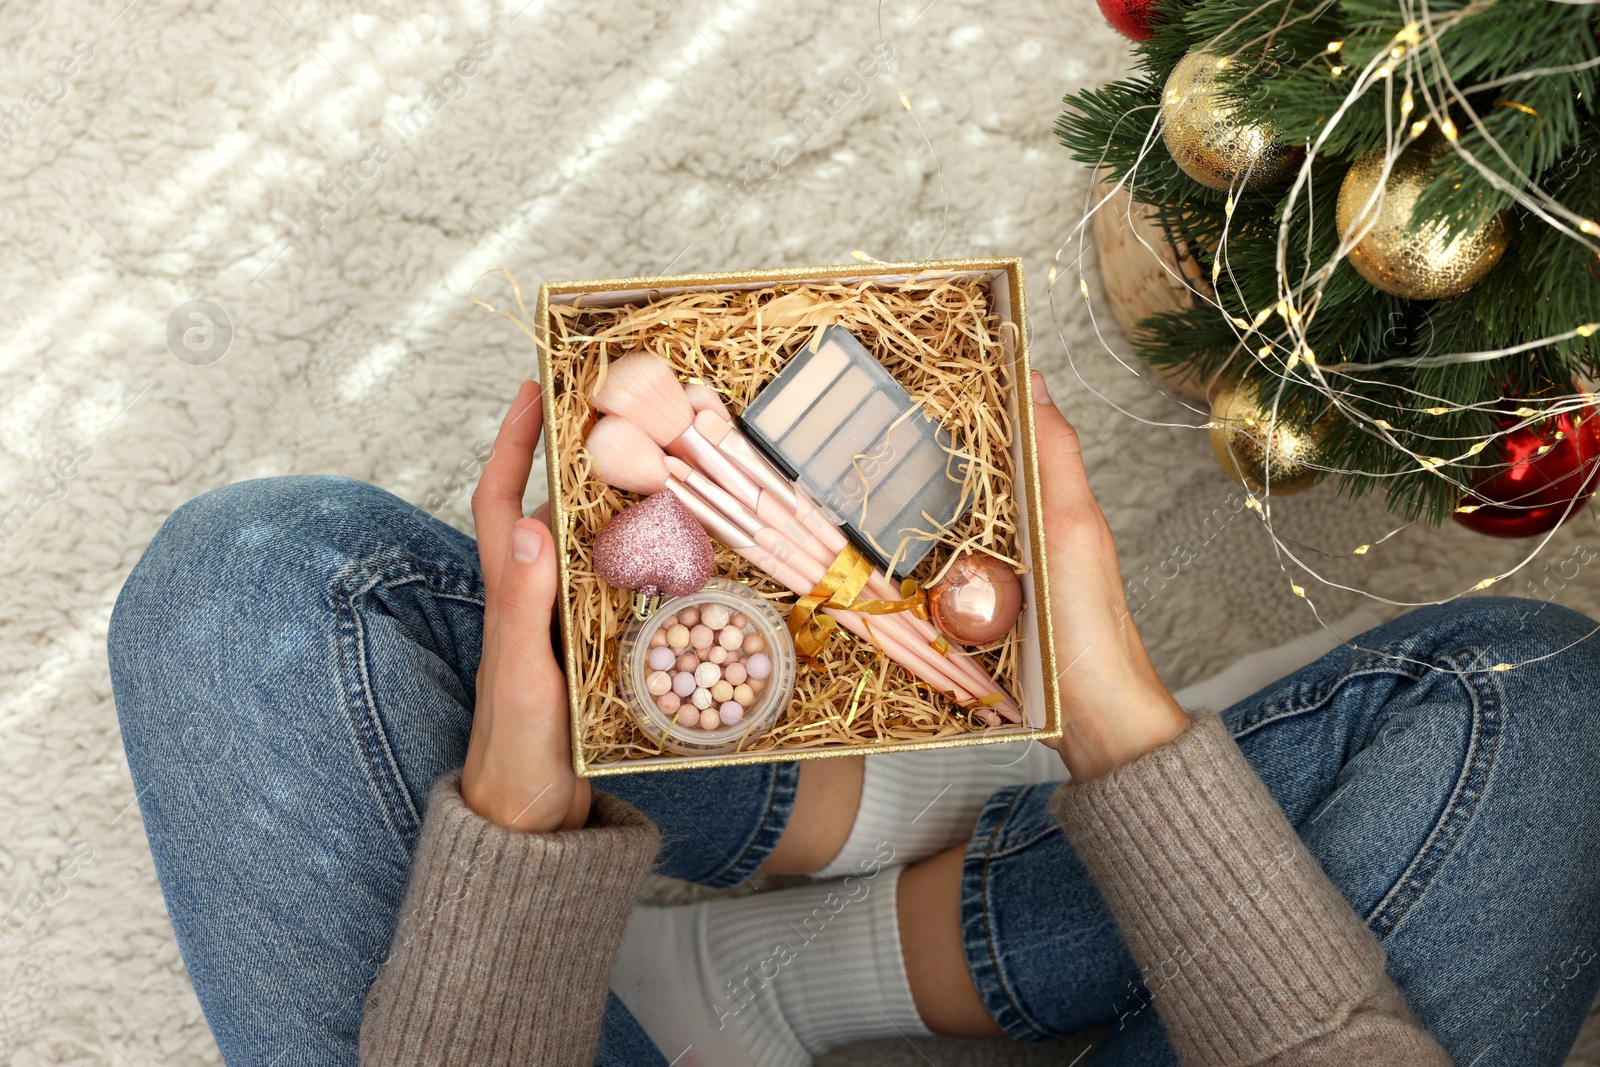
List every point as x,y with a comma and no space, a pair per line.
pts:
646,391
723,434
705,398
623,456
715,423
613,436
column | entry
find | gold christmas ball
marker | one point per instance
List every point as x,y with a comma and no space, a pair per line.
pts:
1246,440
1406,257
1205,138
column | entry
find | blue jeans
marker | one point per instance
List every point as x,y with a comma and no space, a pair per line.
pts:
294,659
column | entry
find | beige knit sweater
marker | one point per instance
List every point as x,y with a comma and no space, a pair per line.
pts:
1249,953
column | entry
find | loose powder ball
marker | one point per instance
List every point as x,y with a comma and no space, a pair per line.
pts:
708,667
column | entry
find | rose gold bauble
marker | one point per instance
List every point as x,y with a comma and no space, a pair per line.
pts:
977,601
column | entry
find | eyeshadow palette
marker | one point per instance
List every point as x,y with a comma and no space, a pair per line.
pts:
836,421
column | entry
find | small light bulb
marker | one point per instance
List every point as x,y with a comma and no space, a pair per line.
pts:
1360,550
1486,583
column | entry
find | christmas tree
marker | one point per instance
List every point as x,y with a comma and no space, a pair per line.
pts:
1395,205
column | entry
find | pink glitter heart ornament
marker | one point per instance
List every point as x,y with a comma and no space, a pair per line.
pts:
656,548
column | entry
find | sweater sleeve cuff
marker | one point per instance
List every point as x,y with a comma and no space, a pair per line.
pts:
1246,947
506,939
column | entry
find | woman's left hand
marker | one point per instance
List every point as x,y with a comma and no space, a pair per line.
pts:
519,772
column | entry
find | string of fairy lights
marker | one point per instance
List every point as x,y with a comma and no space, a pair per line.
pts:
1416,105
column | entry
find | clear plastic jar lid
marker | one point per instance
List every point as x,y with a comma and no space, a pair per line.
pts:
667,729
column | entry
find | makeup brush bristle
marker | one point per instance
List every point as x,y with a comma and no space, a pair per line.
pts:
624,456
711,428
678,468
705,398
644,390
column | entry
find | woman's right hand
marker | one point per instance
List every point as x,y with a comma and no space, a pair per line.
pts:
1114,708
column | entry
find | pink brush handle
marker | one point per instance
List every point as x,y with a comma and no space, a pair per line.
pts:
781,566
772,512
889,630
701,454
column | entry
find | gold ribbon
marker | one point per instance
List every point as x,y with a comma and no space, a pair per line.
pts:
846,576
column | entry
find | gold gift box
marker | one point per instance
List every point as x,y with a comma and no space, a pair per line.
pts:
1040,695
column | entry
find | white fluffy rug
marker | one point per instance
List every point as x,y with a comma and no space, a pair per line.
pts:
175,154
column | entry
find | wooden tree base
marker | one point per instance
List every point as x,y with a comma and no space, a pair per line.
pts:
1141,281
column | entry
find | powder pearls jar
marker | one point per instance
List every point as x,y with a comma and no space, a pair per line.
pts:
708,672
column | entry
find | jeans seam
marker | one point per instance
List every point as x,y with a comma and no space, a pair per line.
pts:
1483,743
1486,724
371,740
1300,703
1012,1019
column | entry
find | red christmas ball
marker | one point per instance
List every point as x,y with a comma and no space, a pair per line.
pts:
1537,491
1131,18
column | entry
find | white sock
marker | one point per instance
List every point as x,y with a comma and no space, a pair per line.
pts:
921,803
772,979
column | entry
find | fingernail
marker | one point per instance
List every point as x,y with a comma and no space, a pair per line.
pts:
526,544
1041,392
